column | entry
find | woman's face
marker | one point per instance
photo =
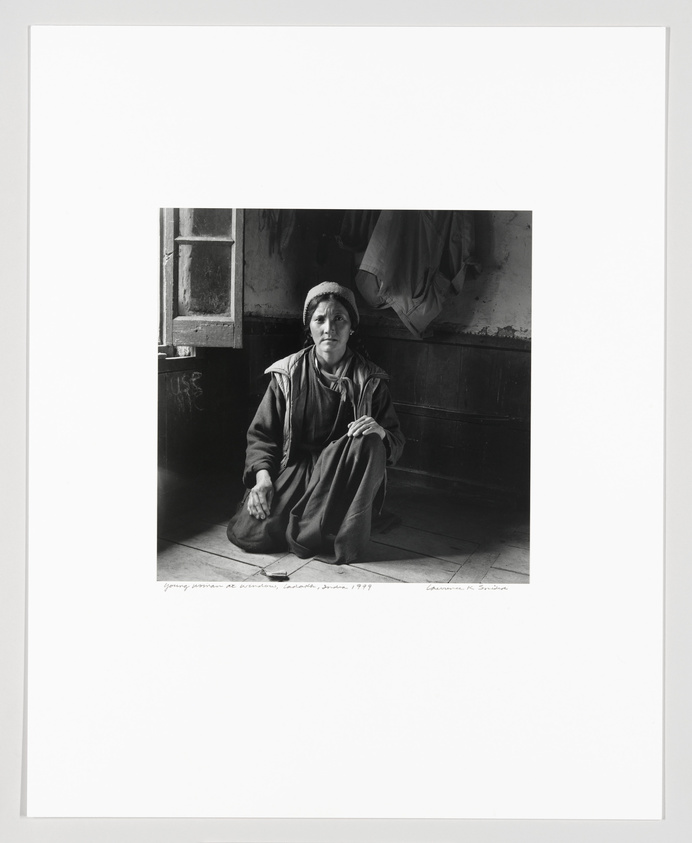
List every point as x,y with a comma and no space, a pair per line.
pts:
330,327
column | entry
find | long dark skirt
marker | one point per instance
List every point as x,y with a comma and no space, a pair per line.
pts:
322,503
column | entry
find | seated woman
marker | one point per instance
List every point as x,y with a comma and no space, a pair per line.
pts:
319,443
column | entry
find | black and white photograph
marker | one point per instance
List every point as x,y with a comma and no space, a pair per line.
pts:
344,396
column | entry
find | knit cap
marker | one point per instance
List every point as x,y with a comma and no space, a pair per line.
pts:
331,287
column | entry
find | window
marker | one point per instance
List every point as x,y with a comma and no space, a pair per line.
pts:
201,277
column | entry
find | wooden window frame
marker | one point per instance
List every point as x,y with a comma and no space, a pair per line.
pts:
200,330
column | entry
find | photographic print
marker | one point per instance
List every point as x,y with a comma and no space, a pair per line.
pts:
344,396
267,199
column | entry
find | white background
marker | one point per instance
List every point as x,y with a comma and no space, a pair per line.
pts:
540,702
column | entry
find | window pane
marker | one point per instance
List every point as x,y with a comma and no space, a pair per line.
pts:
204,279
205,222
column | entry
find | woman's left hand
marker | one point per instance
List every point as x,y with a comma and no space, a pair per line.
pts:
365,425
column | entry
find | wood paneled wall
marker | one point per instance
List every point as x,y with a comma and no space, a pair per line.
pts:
463,402
464,406
465,410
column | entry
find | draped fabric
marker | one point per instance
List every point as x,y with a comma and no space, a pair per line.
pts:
414,261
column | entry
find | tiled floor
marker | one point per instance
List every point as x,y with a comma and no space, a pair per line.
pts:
441,539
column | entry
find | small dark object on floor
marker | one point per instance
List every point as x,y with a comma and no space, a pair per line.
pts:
276,575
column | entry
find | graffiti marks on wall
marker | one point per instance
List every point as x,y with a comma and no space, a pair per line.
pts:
186,390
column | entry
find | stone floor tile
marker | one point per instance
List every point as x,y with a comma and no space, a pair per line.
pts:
213,539
477,567
497,575
176,562
317,571
513,559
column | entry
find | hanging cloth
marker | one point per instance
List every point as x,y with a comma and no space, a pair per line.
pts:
414,261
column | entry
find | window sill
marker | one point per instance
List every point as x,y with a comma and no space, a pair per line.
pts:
178,364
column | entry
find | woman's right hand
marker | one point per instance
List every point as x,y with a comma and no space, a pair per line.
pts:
259,501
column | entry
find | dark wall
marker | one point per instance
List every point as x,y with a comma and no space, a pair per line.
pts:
464,406
201,422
